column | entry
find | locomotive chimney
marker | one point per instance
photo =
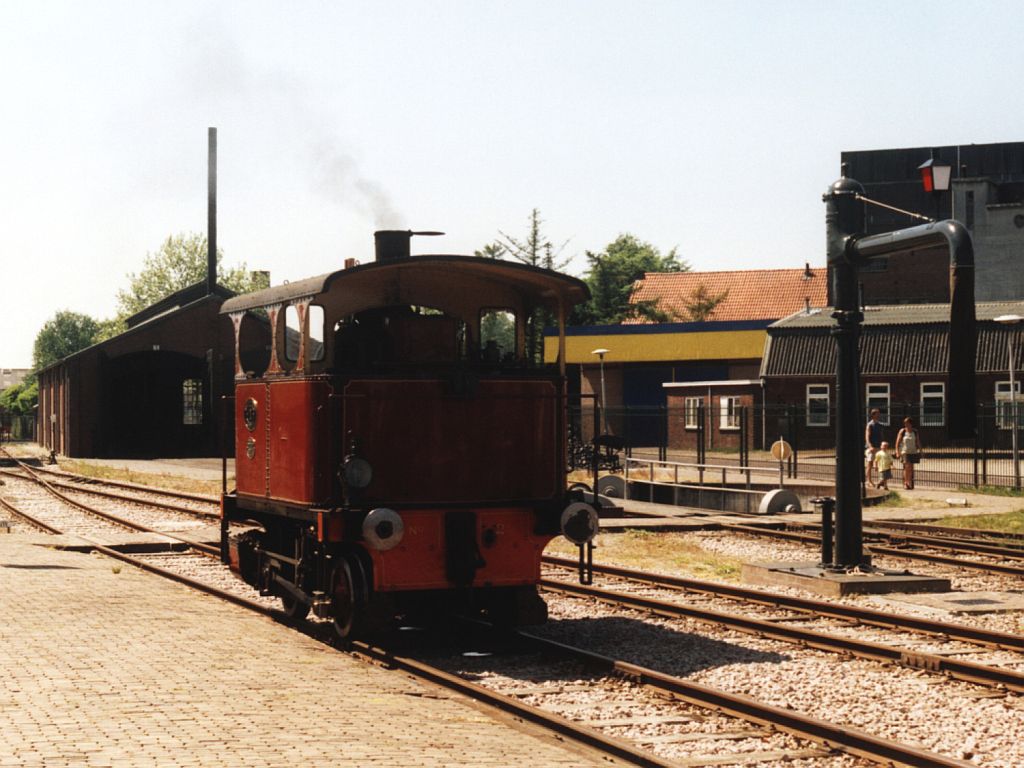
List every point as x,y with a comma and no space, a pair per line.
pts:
392,244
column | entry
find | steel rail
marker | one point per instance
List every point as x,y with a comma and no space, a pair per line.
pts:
843,611
79,488
933,542
979,533
131,486
129,524
909,554
841,737
831,735
27,517
577,732
972,672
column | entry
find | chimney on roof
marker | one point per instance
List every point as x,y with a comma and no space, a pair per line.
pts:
807,305
211,211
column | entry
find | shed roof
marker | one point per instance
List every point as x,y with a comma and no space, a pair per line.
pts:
896,340
900,314
751,294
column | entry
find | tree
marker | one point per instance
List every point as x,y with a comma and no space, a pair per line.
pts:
537,251
701,304
179,262
64,334
612,276
491,251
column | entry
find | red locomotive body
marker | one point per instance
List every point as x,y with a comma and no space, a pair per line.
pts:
401,453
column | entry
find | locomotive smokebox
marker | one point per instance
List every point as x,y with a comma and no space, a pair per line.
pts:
392,244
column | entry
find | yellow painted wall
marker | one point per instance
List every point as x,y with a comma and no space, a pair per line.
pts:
660,347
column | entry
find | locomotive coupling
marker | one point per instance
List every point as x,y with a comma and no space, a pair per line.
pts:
579,523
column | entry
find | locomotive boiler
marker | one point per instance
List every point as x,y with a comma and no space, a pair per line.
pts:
401,453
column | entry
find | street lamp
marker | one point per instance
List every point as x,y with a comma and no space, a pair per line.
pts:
604,413
935,177
1011,321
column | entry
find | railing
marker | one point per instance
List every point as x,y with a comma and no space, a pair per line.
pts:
698,438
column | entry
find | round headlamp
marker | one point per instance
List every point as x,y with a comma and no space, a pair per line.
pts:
358,473
579,522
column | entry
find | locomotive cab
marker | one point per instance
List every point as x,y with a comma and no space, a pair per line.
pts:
403,451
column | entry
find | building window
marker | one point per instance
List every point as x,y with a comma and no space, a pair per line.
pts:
878,397
192,401
691,411
1004,417
933,405
818,405
730,413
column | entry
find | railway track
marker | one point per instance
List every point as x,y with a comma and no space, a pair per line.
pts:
785,618
832,738
925,553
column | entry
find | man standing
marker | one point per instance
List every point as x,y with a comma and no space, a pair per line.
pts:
872,441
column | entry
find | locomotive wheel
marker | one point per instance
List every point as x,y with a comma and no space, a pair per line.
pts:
294,609
357,612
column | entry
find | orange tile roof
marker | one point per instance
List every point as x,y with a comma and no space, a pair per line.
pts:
753,294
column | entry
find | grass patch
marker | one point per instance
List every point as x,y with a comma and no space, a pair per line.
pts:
668,552
992,490
168,482
892,500
1010,522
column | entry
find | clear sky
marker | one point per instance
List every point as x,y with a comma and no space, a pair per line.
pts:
713,126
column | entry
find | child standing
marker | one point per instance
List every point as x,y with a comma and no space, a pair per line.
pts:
883,463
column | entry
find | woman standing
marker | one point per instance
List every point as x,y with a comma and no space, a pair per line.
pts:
908,449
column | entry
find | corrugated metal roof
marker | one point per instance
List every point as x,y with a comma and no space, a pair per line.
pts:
901,314
909,350
753,294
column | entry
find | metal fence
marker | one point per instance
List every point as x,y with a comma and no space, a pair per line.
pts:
699,437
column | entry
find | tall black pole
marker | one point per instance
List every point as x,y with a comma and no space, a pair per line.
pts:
211,212
844,218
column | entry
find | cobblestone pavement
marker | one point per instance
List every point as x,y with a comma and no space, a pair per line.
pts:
105,665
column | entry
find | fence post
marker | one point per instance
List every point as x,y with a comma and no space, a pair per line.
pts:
663,448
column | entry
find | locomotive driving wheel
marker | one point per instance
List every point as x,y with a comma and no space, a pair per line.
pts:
357,611
294,609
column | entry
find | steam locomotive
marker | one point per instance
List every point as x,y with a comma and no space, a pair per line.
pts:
402,453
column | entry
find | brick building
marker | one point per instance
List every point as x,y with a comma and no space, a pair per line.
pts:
903,362
152,391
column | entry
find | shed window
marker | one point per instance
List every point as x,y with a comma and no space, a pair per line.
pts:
691,411
730,413
192,401
1004,405
818,405
933,404
878,397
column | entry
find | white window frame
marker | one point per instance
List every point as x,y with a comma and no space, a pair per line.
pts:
192,402
1002,397
729,412
878,395
816,393
691,412
938,391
